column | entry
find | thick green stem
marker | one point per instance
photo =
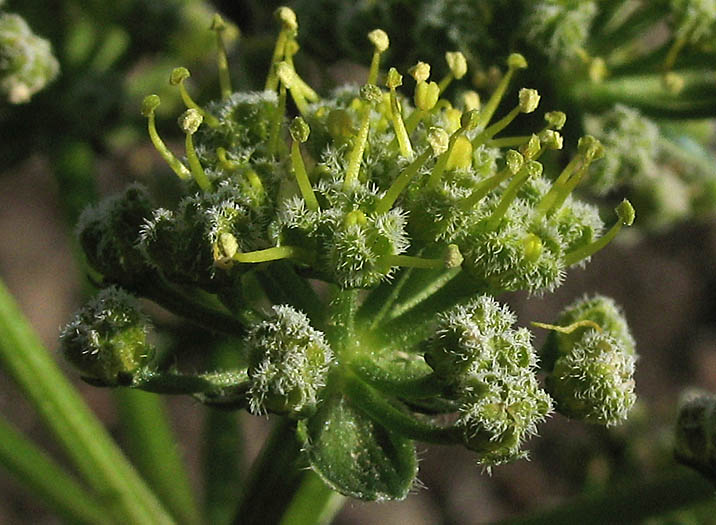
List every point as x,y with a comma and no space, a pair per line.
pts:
153,449
124,494
315,503
627,504
44,478
274,478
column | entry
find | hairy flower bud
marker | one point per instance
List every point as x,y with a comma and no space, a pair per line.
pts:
107,339
695,441
594,381
108,235
491,367
288,363
27,64
592,362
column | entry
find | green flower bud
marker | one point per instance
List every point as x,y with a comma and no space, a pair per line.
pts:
108,235
438,140
371,94
491,367
179,75
601,310
631,140
555,119
287,17
394,79
470,336
426,95
695,441
190,120
496,424
516,61
288,364
299,129
457,63
27,64
529,100
594,381
592,370
559,28
420,72
107,339
149,104
379,39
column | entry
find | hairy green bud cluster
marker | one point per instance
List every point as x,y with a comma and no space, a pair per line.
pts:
695,440
107,339
412,212
632,141
591,362
557,27
491,366
108,233
288,363
27,64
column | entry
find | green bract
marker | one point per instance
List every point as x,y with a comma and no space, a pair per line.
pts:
352,244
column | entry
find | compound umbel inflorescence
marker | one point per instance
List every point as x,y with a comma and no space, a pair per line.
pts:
355,250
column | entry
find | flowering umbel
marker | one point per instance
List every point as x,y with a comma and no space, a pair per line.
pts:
408,213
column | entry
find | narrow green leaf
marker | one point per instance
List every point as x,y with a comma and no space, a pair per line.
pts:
39,473
101,463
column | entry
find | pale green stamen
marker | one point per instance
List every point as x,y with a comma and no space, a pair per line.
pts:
584,323
299,133
190,122
371,95
288,77
514,63
177,78
625,213
529,170
395,79
149,104
289,27
274,254
219,26
401,182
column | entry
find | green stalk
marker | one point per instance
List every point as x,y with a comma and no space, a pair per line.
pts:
647,92
39,473
153,449
273,479
184,306
98,459
406,386
315,503
627,504
377,407
222,458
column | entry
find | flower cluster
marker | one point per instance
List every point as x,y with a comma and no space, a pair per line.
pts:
411,212
27,64
592,58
